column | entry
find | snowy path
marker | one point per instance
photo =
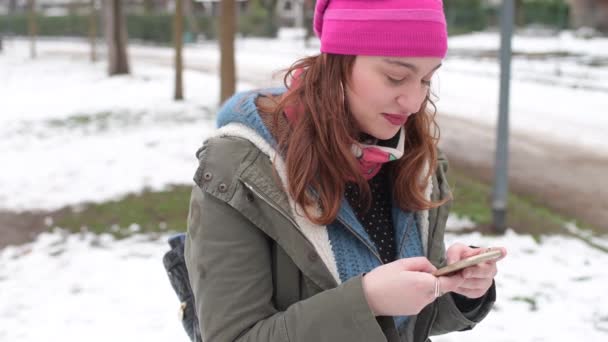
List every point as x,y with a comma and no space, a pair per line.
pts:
559,149
84,287
558,98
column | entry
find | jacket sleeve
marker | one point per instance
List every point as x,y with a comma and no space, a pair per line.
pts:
450,318
229,265
450,315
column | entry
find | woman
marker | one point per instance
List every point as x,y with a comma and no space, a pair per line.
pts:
319,209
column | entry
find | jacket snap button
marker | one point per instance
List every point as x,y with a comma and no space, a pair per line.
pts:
223,187
313,257
249,197
207,176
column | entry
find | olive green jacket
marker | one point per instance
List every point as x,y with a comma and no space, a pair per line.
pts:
257,276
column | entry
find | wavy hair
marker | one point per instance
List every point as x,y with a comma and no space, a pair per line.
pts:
317,146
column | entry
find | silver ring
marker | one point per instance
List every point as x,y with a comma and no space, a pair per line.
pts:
438,292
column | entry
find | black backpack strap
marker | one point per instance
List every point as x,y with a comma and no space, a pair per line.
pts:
286,276
175,266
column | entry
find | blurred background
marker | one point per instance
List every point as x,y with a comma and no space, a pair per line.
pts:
103,104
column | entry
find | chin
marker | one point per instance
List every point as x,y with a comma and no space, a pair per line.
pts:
384,133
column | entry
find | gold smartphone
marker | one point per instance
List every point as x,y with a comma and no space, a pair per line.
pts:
491,254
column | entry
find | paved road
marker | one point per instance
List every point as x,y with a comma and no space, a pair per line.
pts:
566,178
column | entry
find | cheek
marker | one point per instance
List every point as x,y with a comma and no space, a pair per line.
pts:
369,94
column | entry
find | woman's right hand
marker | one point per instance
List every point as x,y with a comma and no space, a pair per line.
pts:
400,288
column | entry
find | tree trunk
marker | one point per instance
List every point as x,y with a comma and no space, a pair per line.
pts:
298,9
32,27
520,15
178,32
93,30
272,11
12,6
309,9
116,37
589,16
227,28
191,18
148,7
271,7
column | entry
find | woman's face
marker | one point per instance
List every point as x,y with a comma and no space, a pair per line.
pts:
384,91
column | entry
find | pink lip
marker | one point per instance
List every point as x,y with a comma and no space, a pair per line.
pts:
396,119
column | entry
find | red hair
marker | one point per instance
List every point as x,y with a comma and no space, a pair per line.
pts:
317,146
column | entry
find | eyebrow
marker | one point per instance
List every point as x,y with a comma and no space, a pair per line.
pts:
408,65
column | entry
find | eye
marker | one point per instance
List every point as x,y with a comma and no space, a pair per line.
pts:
396,81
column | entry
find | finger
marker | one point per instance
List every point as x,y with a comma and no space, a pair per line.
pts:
480,271
451,283
476,251
456,252
476,284
503,252
420,264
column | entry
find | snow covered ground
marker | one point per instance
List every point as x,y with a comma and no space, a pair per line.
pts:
50,103
83,287
70,134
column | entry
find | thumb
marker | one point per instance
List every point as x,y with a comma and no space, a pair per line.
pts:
456,252
418,264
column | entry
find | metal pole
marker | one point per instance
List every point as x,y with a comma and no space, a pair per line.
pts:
501,187
298,11
178,36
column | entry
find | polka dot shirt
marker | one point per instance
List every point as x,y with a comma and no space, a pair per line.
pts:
378,220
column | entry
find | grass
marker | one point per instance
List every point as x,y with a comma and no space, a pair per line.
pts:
529,300
105,120
100,120
158,211
151,211
472,199
525,214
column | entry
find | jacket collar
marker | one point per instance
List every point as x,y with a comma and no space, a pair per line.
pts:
316,234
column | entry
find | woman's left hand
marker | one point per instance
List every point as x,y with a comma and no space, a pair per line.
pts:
474,281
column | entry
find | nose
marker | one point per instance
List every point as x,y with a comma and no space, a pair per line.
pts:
411,100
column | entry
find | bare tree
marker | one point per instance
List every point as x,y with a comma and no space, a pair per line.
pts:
589,10
271,8
93,30
191,18
32,26
148,6
309,8
520,15
116,37
297,8
12,6
178,32
227,28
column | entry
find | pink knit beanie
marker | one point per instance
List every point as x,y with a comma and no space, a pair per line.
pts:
415,28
